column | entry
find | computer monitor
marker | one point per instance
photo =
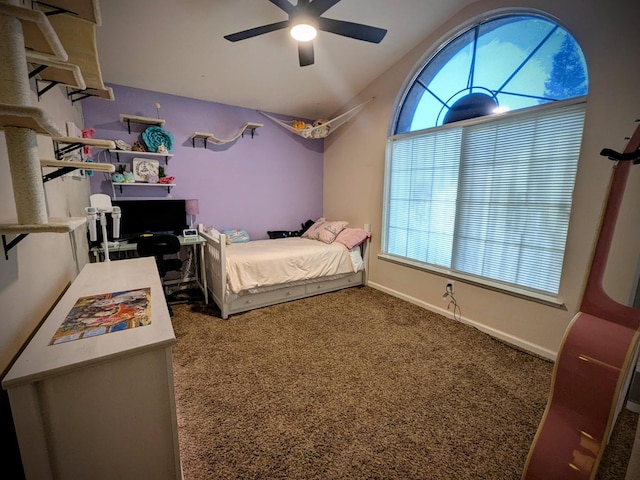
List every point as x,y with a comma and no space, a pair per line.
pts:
155,216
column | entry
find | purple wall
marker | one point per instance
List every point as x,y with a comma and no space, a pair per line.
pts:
270,182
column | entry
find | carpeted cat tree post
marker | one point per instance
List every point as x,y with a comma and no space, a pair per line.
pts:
22,143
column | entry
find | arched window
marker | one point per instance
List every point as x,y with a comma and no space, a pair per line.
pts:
483,156
504,64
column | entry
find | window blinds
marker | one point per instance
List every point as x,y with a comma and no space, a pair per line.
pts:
490,198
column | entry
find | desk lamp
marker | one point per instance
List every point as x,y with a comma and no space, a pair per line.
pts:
101,205
193,208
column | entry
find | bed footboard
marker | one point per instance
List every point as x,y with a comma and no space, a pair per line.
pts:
215,258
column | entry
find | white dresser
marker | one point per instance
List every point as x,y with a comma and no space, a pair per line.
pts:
101,407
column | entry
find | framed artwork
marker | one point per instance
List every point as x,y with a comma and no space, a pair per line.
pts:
143,168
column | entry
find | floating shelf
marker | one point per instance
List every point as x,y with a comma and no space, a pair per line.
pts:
40,38
210,137
74,143
118,152
86,10
91,142
105,93
65,166
129,119
168,186
55,73
78,38
53,225
33,118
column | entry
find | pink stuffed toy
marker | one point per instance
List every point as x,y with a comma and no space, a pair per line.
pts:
87,133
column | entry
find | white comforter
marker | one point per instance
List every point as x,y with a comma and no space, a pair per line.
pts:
269,262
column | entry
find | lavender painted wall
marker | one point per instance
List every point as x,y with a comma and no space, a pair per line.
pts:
271,182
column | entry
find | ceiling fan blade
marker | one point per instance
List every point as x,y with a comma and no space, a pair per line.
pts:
283,5
318,7
352,30
253,32
305,53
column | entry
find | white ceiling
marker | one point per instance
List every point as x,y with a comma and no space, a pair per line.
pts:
177,47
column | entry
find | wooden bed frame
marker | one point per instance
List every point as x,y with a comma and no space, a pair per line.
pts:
216,268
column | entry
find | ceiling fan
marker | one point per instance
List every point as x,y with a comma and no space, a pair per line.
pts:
305,20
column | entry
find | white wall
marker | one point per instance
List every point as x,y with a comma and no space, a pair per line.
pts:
355,156
42,265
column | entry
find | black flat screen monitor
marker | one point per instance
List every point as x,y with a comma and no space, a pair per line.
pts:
155,216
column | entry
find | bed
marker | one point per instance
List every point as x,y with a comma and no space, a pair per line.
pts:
246,276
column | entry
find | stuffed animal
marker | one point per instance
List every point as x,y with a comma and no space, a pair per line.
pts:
320,129
87,133
152,178
138,147
299,125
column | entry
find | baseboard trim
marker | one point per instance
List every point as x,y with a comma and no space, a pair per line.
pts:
499,334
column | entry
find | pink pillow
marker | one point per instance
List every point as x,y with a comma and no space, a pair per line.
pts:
352,237
324,231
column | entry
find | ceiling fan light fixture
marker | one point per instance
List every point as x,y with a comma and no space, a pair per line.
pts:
303,31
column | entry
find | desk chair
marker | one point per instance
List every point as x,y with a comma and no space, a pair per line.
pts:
158,246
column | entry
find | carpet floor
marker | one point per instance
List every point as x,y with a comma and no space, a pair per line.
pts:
357,384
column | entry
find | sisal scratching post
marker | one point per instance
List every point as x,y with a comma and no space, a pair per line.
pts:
22,145
26,176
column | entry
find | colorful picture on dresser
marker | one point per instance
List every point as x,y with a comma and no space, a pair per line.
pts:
105,313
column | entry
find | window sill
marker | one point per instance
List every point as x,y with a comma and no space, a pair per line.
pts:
547,300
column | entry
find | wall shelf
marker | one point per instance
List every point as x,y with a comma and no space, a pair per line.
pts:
54,72
129,119
147,122
210,137
40,38
87,10
54,225
166,156
168,186
78,38
105,93
64,166
74,143
33,118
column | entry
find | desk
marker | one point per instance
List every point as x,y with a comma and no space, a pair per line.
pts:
101,407
197,241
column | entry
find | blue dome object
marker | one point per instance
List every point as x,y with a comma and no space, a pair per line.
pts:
153,137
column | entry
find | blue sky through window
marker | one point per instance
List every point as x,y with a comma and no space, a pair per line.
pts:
510,59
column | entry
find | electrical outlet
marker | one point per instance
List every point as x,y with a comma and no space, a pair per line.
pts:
450,287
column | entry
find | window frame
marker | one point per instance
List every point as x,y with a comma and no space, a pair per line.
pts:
483,282
451,36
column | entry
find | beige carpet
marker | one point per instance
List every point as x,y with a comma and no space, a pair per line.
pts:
357,384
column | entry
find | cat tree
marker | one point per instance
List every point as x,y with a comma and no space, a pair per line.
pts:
41,38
